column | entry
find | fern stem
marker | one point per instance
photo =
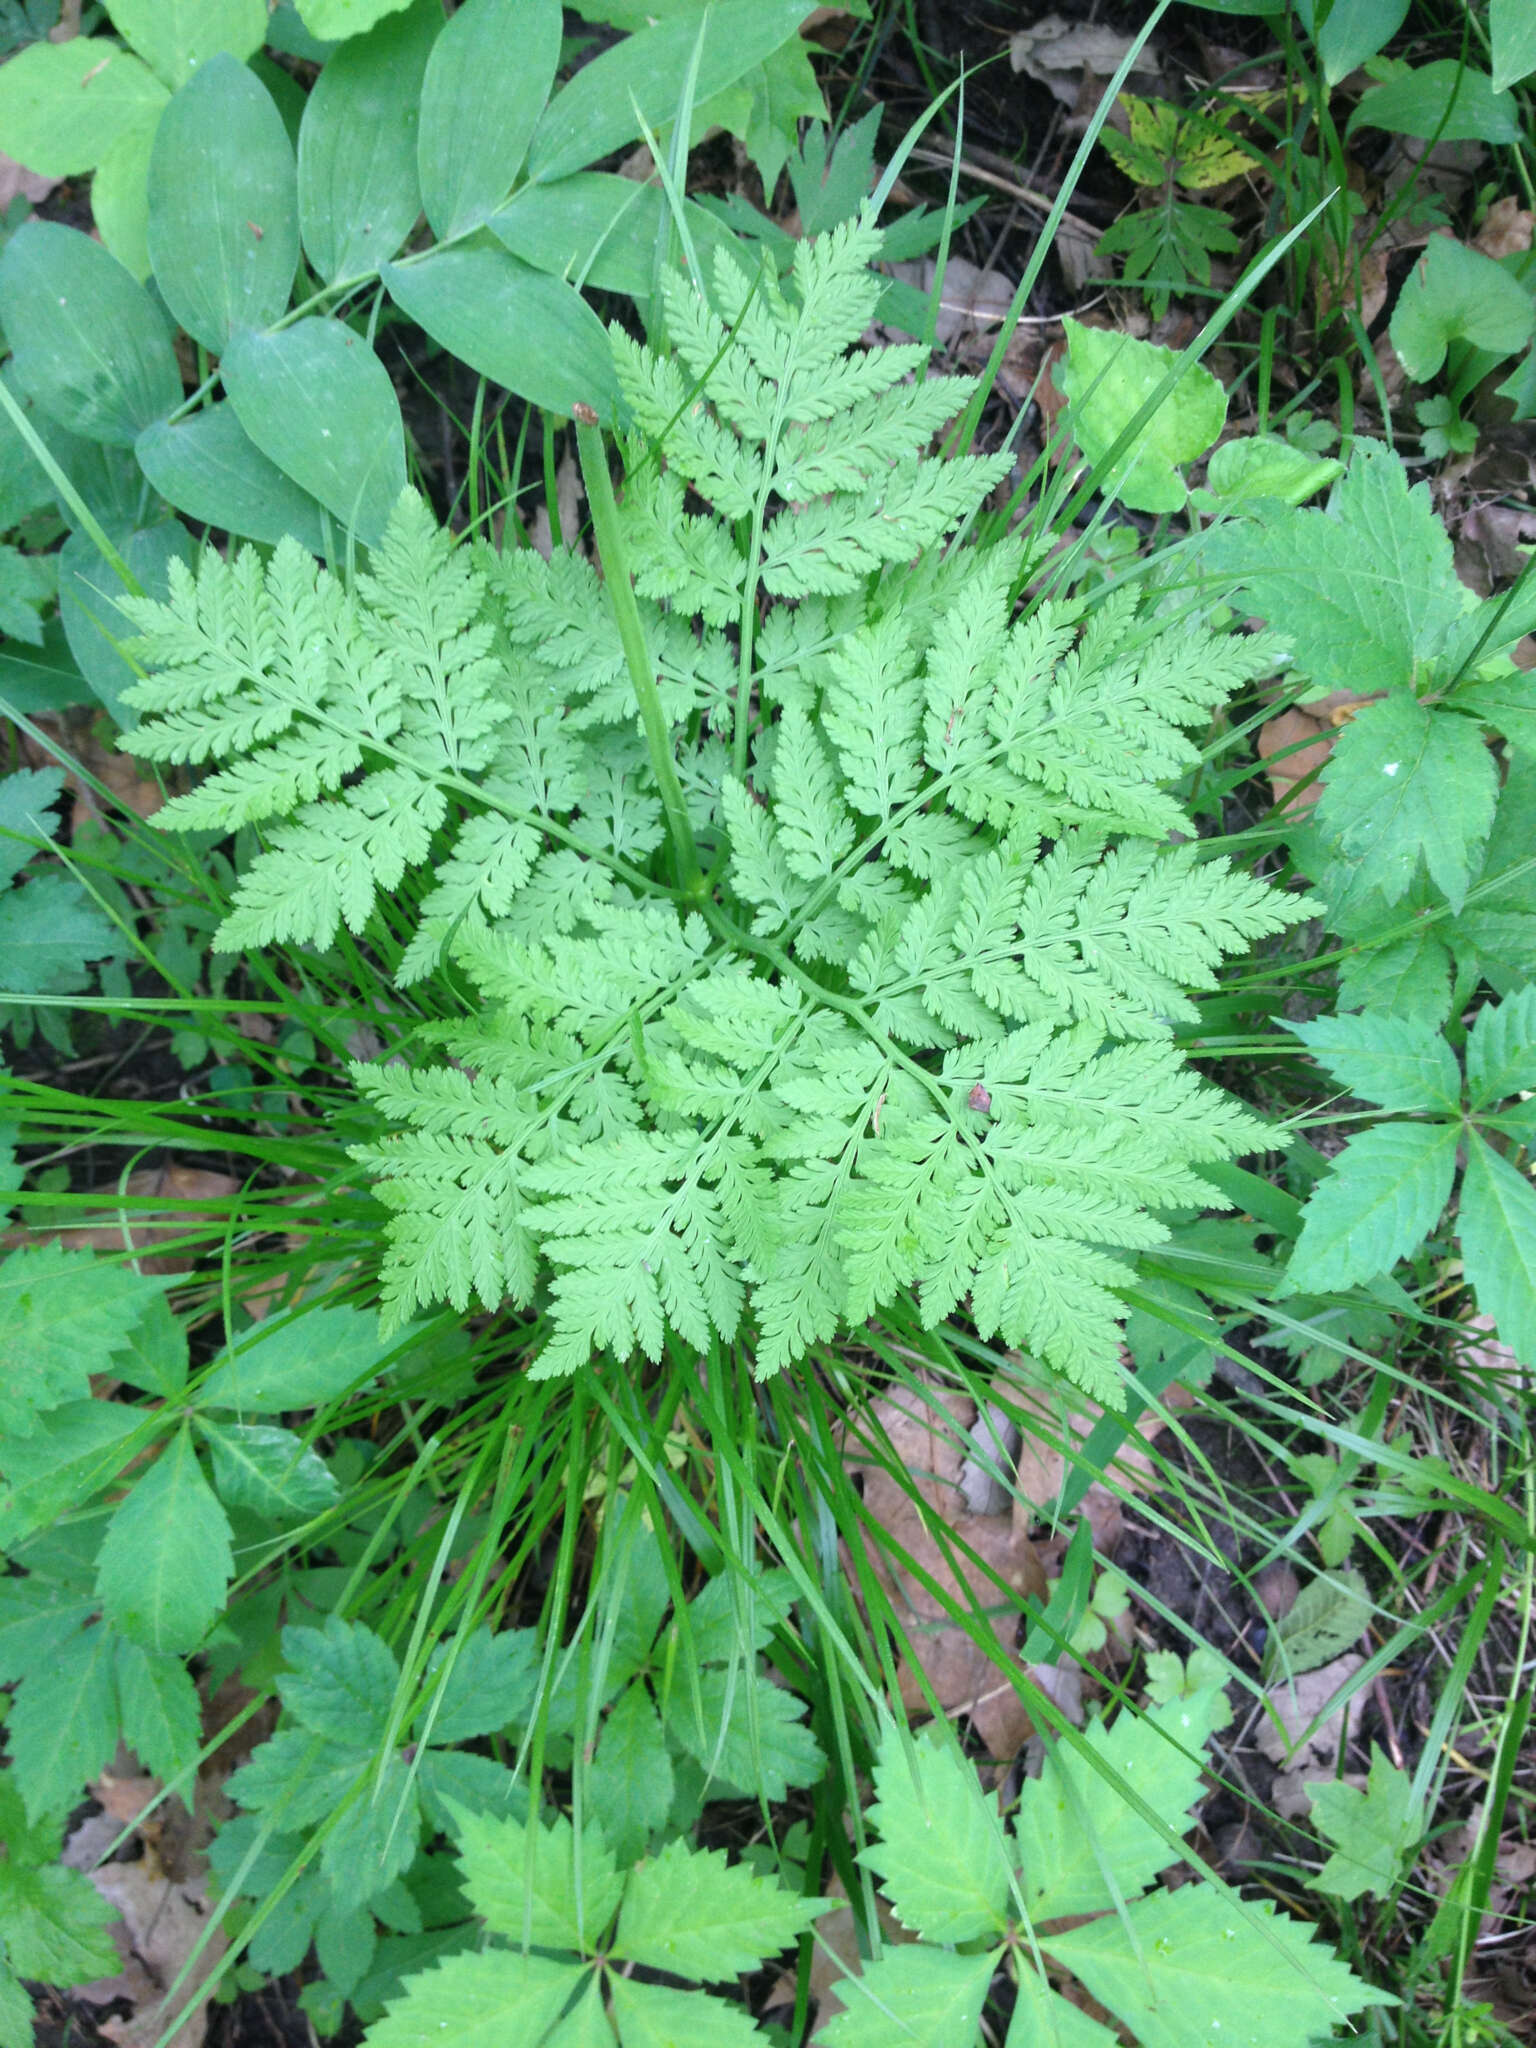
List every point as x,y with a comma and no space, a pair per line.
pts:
658,741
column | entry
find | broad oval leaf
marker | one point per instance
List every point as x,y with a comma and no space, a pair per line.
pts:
1454,293
269,1470
209,468
599,230
1512,28
120,196
331,20
1107,379
299,1363
175,36
1352,30
88,594
479,105
316,399
223,205
1443,100
359,193
165,1561
520,327
90,345
642,78
63,105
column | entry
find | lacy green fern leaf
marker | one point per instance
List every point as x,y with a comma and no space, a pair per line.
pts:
914,1029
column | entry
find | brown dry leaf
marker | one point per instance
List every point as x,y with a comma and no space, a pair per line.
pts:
1296,1703
923,1430
163,1899
1066,57
1507,229
1042,1462
1298,741
138,1228
17,182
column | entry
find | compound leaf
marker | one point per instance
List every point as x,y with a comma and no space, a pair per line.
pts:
63,1316
1195,1973
941,1858
657,2016
269,1471
918,1997
1384,1195
1400,1063
161,1712
479,2001
631,1781
689,1912
341,1681
1501,1049
563,1895
165,1560
63,1725
1497,1221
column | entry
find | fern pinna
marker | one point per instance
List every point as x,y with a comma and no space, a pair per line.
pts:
825,914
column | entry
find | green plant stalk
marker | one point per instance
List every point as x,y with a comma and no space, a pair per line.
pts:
658,741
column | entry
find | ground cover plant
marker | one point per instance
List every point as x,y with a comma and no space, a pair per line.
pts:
771,1266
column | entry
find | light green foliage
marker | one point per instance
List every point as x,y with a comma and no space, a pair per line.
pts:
1389,1186
1107,378
52,1921
1169,243
1455,293
1189,1968
51,932
687,1912
925,1046
1373,1831
63,1316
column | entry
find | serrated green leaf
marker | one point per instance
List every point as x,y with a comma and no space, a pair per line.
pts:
63,1316
575,1889
55,1924
1400,1063
18,2011
1409,977
689,1912
1386,1192
480,2001
914,1997
655,2016
1361,590
1501,1049
1078,1837
585,2027
1197,1974
63,1724
630,1781
75,1450
301,1363
160,1710
492,1682
746,1731
155,1354
1328,1616
341,1681
1406,785
1373,1831
941,1858
1042,2018
1497,1222
271,1472
165,1560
